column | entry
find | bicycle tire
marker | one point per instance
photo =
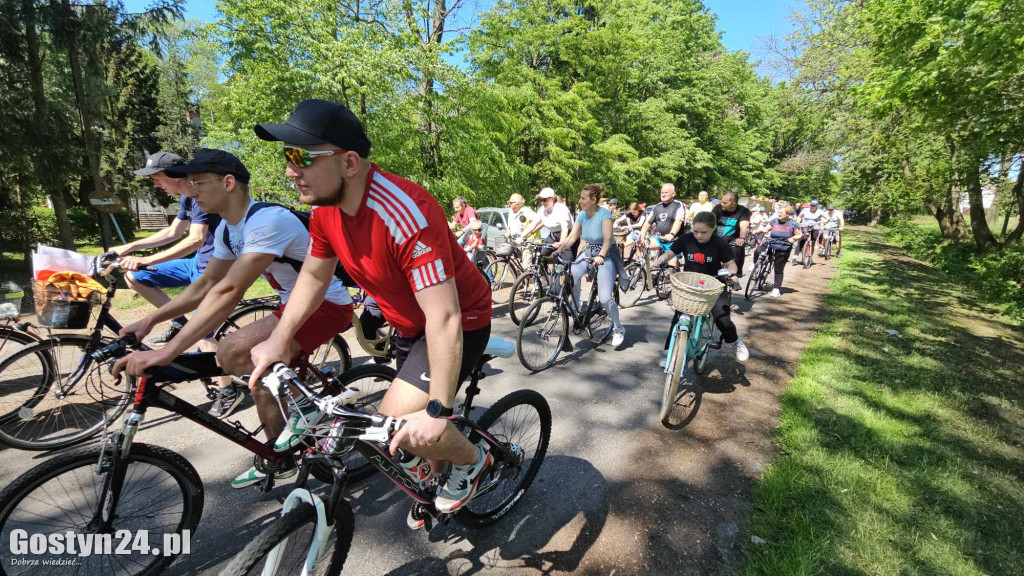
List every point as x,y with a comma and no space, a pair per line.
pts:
663,284
337,356
635,284
498,272
757,277
281,531
526,288
40,421
69,469
14,338
482,510
828,249
676,369
700,361
544,332
355,463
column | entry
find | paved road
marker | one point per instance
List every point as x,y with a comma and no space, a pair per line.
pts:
618,493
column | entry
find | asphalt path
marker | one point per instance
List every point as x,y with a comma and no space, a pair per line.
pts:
618,492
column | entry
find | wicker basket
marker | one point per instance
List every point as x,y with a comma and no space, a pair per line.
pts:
54,310
695,293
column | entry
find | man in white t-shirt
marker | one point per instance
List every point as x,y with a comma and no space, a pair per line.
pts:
554,220
701,205
253,239
519,216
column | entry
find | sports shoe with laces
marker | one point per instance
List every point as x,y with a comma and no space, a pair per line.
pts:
300,420
254,476
462,483
167,335
227,402
618,336
775,293
741,351
417,517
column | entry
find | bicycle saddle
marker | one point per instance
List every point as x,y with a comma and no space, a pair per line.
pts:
500,348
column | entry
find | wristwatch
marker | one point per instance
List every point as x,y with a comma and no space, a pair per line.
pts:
435,409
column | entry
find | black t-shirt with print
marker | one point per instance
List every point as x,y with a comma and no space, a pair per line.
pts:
729,222
704,258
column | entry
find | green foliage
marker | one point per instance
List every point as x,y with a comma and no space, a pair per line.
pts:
996,277
42,226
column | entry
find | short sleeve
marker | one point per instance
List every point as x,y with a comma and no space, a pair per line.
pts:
678,245
680,211
744,216
183,208
470,213
725,253
272,231
319,244
425,251
220,249
198,216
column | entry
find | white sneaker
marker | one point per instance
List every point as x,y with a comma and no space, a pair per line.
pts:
661,363
618,337
463,482
741,351
775,293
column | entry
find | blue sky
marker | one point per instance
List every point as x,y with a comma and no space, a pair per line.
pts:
743,22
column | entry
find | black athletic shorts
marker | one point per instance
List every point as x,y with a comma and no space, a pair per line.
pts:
414,367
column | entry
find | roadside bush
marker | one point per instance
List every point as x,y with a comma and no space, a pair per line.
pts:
997,277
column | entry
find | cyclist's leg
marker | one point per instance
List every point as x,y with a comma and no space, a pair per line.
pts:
578,269
723,319
606,275
410,392
371,318
781,257
170,274
328,320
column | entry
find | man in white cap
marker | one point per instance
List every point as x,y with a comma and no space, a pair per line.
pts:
519,216
555,219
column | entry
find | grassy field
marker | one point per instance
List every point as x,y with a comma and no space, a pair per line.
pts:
898,454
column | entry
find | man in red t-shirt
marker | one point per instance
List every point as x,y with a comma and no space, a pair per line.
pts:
392,237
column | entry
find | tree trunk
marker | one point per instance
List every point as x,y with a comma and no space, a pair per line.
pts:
93,143
876,215
1018,194
951,221
41,128
983,238
431,145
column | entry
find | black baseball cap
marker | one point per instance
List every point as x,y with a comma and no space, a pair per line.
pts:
210,160
319,122
159,162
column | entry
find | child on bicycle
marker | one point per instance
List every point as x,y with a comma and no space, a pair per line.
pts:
705,252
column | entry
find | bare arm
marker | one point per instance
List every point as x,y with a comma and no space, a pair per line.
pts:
165,236
567,241
440,305
185,302
606,232
744,228
191,243
677,226
220,300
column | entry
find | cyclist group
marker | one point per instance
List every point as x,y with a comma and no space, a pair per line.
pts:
393,239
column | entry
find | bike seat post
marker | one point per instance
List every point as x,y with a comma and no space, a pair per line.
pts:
474,388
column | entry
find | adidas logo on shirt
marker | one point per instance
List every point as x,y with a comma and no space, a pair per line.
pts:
420,249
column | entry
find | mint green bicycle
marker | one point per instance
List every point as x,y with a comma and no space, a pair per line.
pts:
692,337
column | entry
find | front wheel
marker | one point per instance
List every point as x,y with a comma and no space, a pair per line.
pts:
636,281
525,289
161,493
500,274
284,547
676,368
542,333
756,279
52,395
521,424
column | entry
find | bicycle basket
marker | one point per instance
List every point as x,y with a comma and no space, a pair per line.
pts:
65,305
694,293
504,249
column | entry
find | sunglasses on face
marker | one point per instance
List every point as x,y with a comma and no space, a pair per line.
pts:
303,158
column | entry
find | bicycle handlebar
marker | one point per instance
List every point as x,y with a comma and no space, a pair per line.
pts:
105,263
379,428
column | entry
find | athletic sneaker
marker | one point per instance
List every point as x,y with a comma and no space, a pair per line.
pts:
254,476
839,254
794,262
299,422
168,334
741,351
618,336
462,483
661,363
227,402
775,293
417,517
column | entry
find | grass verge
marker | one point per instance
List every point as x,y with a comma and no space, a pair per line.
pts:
899,454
